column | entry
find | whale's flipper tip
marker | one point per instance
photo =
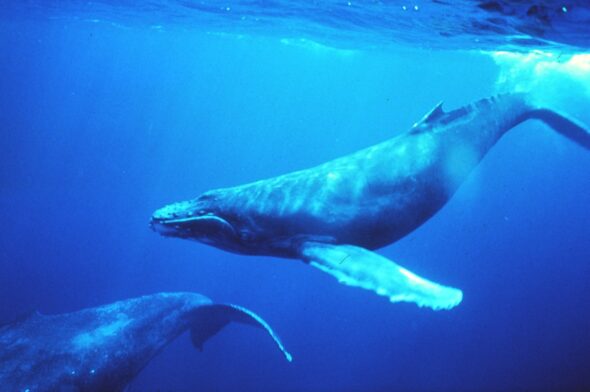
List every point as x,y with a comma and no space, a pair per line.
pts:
362,268
212,318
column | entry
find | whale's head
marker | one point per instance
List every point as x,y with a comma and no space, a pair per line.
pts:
202,219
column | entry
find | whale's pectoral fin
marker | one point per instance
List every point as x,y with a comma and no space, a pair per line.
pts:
360,267
210,319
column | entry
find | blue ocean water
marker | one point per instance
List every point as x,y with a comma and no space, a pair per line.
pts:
110,110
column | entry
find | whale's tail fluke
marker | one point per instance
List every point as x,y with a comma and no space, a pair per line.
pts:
212,318
563,125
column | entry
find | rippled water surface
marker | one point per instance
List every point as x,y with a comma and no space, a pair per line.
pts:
443,24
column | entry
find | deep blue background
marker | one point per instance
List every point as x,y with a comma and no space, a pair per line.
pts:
102,124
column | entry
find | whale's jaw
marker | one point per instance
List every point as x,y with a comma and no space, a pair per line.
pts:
192,220
196,227
200,228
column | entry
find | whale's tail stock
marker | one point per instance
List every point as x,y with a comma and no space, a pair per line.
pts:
531,105
563,125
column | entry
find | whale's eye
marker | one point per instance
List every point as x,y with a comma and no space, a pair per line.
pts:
246,235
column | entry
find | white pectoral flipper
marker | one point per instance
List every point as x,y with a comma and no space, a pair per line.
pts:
360,267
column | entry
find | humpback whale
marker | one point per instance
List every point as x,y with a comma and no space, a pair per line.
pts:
335,215
104,348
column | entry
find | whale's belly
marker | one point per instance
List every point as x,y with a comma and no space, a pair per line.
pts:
369,199
379,218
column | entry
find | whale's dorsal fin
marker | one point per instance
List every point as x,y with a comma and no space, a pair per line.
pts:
362,268
433,115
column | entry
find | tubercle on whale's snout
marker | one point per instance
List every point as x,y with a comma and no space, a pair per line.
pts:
174,211
170,219
167,221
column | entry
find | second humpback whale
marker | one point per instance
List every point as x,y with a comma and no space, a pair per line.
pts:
332,216
104,348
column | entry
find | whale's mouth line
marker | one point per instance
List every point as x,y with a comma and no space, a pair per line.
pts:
175,221
183,227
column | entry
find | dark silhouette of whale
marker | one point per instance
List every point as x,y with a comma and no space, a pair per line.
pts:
104,348
332,215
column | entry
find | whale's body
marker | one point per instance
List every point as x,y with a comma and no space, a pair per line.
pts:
332,215
104,348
